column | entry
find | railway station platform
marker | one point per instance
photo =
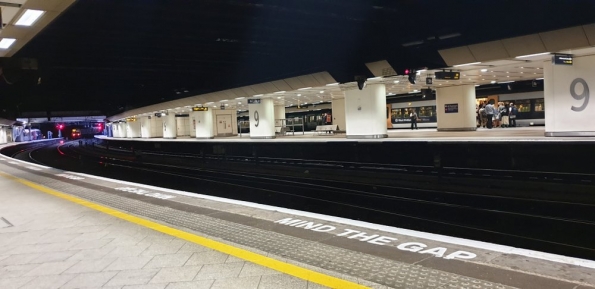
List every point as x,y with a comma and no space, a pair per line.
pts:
533,133
61,229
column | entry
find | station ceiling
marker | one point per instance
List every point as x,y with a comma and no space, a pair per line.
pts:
116,55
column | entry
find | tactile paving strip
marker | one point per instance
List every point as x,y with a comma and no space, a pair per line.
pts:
375,269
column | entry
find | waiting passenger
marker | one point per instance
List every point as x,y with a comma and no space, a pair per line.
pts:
490,112
512,112
413,116
503,114
483,115
497,116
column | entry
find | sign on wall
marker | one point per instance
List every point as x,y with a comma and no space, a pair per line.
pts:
200,108
567,93
451,108
254,101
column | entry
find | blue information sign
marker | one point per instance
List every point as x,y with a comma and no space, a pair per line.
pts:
451,108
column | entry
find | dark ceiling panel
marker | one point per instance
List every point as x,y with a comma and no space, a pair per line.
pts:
114,54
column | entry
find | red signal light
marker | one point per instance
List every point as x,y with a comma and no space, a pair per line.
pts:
407,71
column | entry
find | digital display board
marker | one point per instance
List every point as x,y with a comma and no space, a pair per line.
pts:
451,108
197,108
562,59
254,101
448,75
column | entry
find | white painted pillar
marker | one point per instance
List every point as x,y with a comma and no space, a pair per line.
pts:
133,129
169,125
204,123
3,139
365,112
183,126
279,116
455,108
567,91
156,126
122,129
262,119
338,111
145,127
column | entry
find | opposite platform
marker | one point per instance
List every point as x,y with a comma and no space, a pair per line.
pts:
528,134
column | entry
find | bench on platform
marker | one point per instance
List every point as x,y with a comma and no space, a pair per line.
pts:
330,128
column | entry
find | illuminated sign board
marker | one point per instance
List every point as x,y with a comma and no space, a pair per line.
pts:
562,59
254,101
447,75
200,109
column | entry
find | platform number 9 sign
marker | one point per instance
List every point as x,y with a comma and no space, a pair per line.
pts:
583,96
256,118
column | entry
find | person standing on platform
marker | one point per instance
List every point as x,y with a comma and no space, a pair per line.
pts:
413,116
512,111
490,112
504,114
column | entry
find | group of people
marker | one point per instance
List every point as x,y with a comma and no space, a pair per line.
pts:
490,116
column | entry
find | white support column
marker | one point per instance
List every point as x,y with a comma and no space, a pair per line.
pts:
262,119
133,129
3,139
122,131
169,125
569,110
279,115
145,126
156,126
365,112
204,124
182,126
338,111
455,108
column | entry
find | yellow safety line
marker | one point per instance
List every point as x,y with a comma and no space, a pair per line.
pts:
283,267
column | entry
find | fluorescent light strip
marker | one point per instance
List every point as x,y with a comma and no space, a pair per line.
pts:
531,55
304,88
332,84
258,95
539,78
466,64
29,17
240,97
6,43
375,78
282,91
506,82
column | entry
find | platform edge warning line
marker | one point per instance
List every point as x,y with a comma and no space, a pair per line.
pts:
283,267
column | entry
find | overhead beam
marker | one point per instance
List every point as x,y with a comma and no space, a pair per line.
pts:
8,4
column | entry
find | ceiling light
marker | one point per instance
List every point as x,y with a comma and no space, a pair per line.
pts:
522,67
396,81
374,78
476,85
299,94
239,103
224,100
506,81
278,97
322,91
29,17
531,55
493,81
304,88
539,78
258,95
282,91
5,43
508,76
331,84
466,64
484,70
240,97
